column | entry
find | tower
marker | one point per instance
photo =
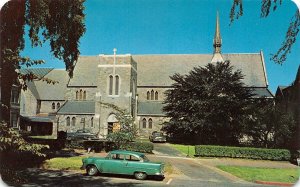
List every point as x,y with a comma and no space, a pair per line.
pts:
217,44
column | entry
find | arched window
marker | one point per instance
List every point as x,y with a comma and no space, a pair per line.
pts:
117,85
150,123
77,95
152,95
148,95
80,95
84,95
68,121
53,106
156,95
73,121
144,123
110,86
92,122
58,106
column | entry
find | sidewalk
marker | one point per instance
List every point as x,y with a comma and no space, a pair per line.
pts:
245,162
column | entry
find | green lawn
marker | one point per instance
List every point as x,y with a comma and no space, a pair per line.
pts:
185,149
69,163
252,174
44,137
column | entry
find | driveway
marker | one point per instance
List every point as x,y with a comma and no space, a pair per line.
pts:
191,172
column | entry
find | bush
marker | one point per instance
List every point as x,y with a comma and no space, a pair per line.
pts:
144,147
242,152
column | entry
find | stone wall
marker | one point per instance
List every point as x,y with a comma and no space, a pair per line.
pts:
82,121
156,124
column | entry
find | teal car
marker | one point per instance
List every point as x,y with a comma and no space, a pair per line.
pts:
123,162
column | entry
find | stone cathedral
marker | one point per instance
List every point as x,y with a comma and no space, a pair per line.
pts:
135,83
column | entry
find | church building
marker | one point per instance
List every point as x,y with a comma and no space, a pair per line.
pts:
134,83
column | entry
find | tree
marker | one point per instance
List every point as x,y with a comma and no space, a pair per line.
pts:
17,154
269,127
291,34
127,131
59,22
208,104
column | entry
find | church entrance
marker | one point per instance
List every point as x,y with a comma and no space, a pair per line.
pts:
113,124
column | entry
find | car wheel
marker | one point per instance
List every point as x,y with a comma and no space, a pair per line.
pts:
92,170
140,175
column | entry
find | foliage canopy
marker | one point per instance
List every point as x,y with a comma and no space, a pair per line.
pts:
208,104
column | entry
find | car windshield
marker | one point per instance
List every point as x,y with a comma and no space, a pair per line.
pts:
83,131
158,134
145,158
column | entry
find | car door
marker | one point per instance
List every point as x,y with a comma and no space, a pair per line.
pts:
134,164
116,164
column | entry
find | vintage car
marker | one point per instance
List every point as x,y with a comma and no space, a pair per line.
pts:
123,162
81,134
157,137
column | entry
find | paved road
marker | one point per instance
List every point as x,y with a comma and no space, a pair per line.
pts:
193,173
187,172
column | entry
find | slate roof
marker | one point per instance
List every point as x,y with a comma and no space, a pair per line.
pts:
43,91
150,108
262,92
77,107
47,119
85,71
154,70
40,72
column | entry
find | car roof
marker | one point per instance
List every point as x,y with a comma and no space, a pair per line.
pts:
126,152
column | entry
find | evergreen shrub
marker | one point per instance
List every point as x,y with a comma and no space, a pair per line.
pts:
144,147
242,152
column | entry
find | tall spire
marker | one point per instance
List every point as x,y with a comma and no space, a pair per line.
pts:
217,39
217,57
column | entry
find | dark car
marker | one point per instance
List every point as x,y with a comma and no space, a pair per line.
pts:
82,134
157,137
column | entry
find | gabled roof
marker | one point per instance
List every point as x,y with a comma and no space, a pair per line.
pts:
150,108
77,107
40,72
43,91
85,71
262,92
155,70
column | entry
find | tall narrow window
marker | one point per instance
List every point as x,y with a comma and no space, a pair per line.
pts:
84,95
152,95
68,121
58,106
80,95
77,95
150,123
73,121
117,85
148,95
53,106
110,86
156,95
92,122
14,120
144,123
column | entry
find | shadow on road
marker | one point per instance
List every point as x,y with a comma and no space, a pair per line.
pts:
38,177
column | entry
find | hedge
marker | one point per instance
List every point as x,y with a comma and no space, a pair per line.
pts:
242,152
144,147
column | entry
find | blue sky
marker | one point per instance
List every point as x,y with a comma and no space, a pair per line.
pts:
182,27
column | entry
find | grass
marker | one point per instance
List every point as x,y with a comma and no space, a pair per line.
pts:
61,163
252,174
185,149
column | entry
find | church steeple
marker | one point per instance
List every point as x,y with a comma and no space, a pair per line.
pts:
217,57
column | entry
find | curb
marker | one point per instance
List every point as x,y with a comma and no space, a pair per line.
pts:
274,183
